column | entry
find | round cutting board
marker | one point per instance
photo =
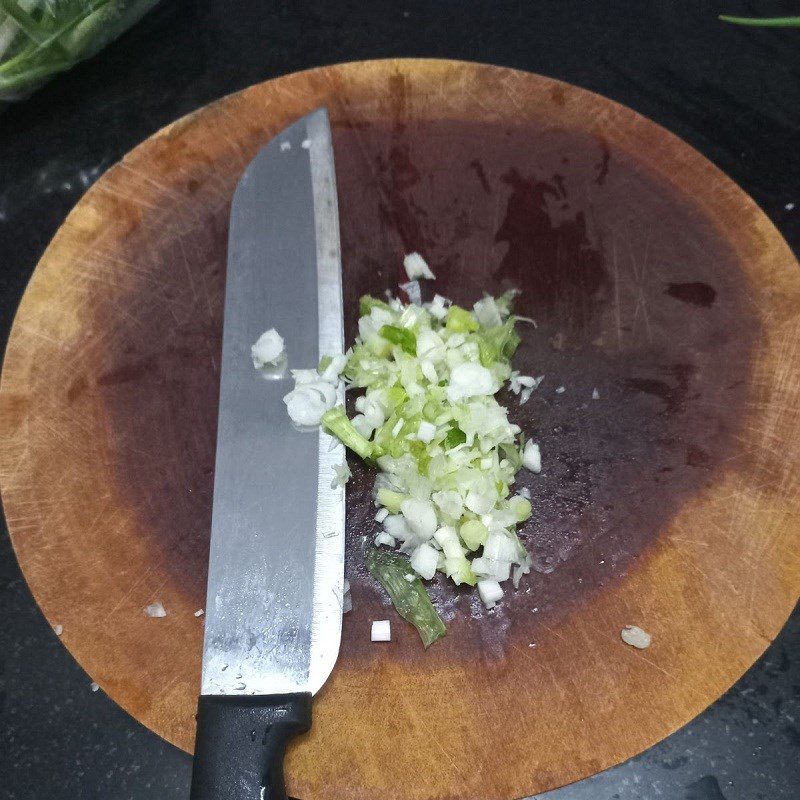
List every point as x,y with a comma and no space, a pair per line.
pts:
668,332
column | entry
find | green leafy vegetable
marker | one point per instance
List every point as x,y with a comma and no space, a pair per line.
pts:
40,39
408,596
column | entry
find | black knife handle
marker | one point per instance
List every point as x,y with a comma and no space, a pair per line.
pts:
240,744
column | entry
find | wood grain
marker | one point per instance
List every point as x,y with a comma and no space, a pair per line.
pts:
672,502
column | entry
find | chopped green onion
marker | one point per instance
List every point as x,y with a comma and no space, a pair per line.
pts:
461,571
521,507
505,300
336,423
400,336
503,339
390,500
455,437
459,320
447,451
367,303
473,533
408,596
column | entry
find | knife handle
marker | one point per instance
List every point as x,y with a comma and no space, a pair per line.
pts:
240,744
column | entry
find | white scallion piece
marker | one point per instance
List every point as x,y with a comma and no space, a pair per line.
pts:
397,527
347,598
519,570
333,370
636,637
595,394
341,476
384,538
490,592
426,431
381,631
307,403
532,457
420,516
58,629
381,515
447,539
155,610
269,350
470,380
487,313
414,292
199,612
424,560
561,390
438,307
429,370
416,267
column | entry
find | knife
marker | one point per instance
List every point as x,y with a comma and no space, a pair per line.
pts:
276,564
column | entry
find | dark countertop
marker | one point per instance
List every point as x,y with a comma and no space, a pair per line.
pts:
732,93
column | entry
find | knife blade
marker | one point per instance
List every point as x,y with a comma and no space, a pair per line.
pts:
276,561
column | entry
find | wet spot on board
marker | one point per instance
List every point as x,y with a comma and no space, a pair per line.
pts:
676,763
792,734
697,457
402,172
397,175
603,164
560,270
558,97
673,395
127,372
397,99
77,388
695,293
481,173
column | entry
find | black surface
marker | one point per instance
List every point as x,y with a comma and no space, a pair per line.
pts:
241,742
733,93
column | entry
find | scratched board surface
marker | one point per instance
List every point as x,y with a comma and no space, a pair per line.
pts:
670,501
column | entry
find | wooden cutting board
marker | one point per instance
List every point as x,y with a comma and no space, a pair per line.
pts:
671,502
